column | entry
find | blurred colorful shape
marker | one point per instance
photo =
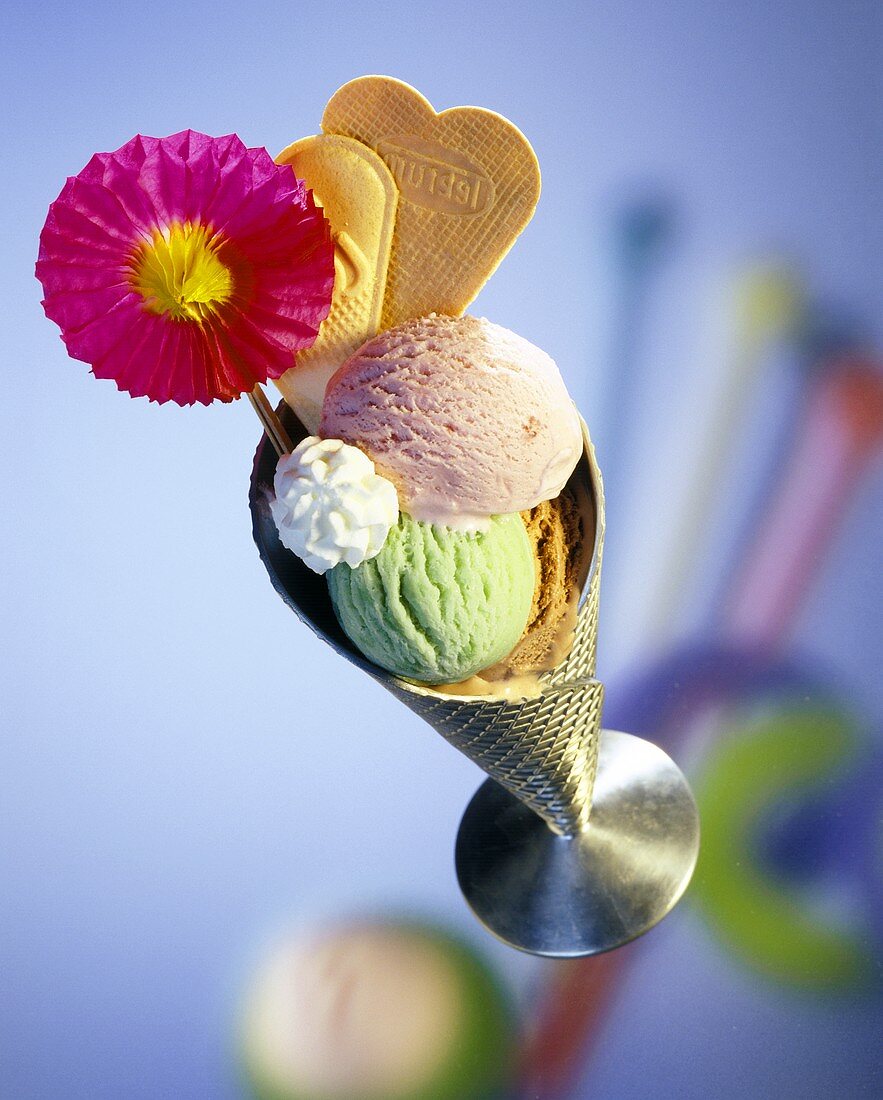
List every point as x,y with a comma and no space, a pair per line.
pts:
766,308
641,237
767,919
841,434
376,1010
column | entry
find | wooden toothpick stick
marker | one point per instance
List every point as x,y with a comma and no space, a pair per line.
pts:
277,435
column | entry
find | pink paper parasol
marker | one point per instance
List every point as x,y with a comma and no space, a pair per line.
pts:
186,268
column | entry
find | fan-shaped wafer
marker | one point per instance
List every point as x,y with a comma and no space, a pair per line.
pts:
359,197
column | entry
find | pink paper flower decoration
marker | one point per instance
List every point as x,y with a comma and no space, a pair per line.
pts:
186,268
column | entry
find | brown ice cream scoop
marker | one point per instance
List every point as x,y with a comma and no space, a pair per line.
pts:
556,529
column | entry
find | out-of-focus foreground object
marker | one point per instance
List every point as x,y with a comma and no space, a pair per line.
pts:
376,1009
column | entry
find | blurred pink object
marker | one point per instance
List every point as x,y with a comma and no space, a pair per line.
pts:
841,435
467,419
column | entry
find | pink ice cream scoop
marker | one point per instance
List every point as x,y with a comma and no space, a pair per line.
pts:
467,419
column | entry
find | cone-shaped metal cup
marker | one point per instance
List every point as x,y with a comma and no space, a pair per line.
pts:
543,751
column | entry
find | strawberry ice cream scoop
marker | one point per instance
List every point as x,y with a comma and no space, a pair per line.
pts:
466,419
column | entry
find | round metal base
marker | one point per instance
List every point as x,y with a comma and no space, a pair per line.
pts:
570,896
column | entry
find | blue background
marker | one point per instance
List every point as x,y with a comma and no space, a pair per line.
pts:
185,771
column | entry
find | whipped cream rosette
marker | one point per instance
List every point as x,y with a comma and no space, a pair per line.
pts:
330,505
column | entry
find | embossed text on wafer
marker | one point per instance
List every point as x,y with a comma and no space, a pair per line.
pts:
435,177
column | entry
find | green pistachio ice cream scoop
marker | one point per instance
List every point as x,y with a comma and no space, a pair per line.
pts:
437,604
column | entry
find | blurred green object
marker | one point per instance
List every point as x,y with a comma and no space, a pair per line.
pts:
438,605
790,754
377,1010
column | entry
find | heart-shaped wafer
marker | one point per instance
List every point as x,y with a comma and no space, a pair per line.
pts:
359,197
468,181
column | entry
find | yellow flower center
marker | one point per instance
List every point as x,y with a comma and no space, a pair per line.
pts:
179,272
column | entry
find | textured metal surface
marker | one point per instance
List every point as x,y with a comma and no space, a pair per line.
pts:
566,896
543,750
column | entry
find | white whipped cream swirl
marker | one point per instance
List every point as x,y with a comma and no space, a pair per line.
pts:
331,505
